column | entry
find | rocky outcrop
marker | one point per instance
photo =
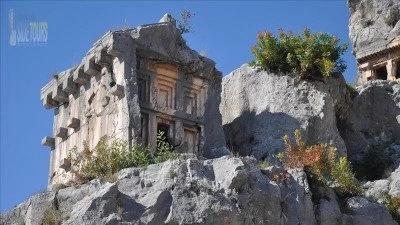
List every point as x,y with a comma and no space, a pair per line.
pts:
374,117
373,25
258,108
227,190
384,190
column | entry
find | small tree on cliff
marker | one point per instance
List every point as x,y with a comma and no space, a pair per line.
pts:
309,55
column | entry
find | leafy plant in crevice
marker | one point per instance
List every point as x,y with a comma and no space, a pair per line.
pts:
104,160
51,216
184,22
394,207
184,25
309,55
321,163
263,165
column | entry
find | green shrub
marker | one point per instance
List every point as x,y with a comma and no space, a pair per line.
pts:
343,176
394,207
321,164
164,149
310,55
103,161
263,165
51,217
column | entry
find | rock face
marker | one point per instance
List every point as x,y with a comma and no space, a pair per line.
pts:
227,190
384,190
374,117
373,24
258,108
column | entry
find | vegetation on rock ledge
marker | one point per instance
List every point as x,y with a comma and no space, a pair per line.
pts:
104,160
310,55
321,163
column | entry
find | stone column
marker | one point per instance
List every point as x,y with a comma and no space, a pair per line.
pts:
391,70
152,132
178,133
365,73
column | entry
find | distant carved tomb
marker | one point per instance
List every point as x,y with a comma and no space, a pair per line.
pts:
380,65
129,90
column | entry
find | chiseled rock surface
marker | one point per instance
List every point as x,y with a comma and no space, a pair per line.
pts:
373,117
258,108
373,24
226,190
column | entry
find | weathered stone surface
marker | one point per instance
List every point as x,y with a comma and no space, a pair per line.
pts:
376,189
31,211
383,190
226,190
328,209
394,187
258,108
131,84
373,25
366,212
340,95
372,117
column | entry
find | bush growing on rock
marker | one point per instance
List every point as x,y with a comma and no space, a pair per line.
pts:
321,163
51,217
310,55
105,160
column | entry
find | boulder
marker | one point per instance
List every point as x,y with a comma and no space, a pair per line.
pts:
258,108
372,117
366,212
376,189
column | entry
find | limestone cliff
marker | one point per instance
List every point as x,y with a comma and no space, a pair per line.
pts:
373,25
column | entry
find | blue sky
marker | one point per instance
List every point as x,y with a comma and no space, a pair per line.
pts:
224,31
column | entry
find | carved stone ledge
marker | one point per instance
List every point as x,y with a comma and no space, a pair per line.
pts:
74,123
65,163
49,142
62,133
59,95
48,102
69,86
80,76
103,59
90,67
117,90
